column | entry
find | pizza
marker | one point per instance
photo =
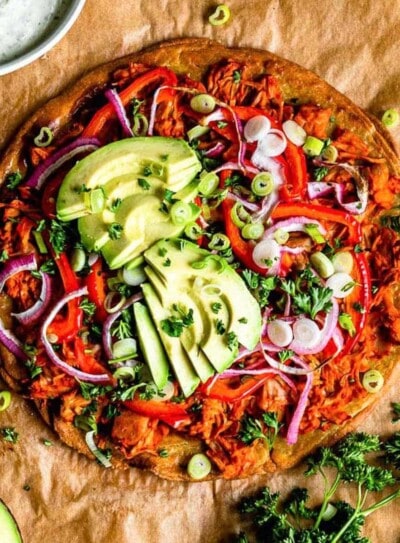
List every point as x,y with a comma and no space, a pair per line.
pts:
199,250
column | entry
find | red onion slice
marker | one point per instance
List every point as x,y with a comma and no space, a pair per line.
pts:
56,160
282,367
39,307
265,371
11,343
216,150
70,370
116,102
295,224
248,205
293,430
326,333
15,265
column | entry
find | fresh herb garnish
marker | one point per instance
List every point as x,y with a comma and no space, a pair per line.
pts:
115,204
219,327
291,520
216,307
13,180
145,185
266,428
9,434
115,230
392,222
181,318
320,173
396,411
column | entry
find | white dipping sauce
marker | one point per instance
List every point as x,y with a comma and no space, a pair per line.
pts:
26,23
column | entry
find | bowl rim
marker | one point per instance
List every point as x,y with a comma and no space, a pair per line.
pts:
70,16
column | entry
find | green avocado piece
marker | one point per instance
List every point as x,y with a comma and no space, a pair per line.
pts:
171,160
151,346
245,315
180,362
191,336
224,305
8,527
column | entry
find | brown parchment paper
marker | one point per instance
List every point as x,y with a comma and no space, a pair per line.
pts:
57,495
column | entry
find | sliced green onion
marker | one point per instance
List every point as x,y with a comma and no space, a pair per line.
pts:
209,182
126,347
40,242
203,103
197,131
220,16
330,153
373,381
343,262
253,230
44,138
193,231
329,512
239,215
181,213
78,259
294,132
114,301
199,466
5,399
89,438
220,242
140,125
134,276
281,236
342,284
125,372
390,118
322,265
313,146
262,184
346,323
314,233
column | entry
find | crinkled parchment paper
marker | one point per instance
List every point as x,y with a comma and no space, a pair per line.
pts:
55,494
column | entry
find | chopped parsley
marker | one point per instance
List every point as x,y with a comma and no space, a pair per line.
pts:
115,230
216,307
266,428
219,327
180,318
145,185
237,76
13,180
9,434
320,173
392,222
115,204
88,307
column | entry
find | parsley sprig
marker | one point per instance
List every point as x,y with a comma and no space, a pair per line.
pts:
292,521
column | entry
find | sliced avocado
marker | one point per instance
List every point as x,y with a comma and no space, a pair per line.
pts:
9,532
243,307
191,336
151,346
187,378
169,159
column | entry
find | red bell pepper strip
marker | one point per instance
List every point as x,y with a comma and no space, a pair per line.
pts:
96,284
66,329
223,390
320,213
242,249
48,202
296,183
357,304
85,361
160,75
170,413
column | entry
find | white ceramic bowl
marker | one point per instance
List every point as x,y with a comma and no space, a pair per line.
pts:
46,41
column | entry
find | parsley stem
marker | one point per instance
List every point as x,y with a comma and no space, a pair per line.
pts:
328,493
357,512
381,503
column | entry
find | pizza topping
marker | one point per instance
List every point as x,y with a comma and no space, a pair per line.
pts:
114,99
99,455
5,400
373,381
44,138
256,317
390,118
199,466
220,16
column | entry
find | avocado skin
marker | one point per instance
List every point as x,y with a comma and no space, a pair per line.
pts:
8,527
